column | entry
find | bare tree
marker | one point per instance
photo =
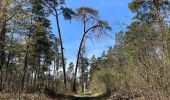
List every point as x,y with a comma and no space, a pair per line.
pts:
92,27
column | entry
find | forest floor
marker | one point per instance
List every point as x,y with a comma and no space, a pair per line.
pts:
38,96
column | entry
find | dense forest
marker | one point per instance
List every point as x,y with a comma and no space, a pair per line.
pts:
32,57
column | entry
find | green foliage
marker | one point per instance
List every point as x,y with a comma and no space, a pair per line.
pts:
67,13
147,10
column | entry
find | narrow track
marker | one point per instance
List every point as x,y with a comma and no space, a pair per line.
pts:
93,97
88,98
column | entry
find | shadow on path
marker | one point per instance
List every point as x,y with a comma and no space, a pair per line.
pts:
72,97
101,97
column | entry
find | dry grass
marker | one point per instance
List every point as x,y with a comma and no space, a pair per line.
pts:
16,96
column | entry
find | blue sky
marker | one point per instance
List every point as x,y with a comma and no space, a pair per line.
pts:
115,12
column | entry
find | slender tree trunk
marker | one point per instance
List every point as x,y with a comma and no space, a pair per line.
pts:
62,52
2,45
25,68
54,73
2,51
32,79
35,78
38,73
7,70
1,88
82,84
77,62
78,55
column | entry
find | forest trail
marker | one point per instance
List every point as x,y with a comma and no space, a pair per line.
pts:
97,96
87,98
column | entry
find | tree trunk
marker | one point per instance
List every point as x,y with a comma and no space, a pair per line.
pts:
2,51
78,56
62,52
2,45
77,62
25,68
7,70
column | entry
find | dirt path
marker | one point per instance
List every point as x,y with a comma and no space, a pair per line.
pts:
98,96
88,98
